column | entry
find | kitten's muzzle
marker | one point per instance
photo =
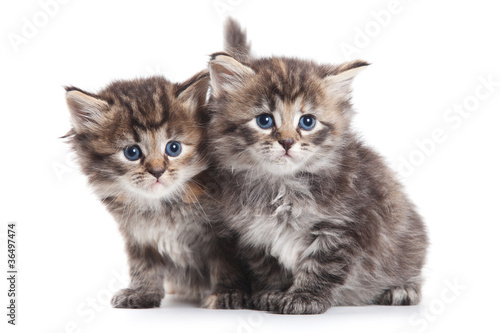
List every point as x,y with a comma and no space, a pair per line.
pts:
287,144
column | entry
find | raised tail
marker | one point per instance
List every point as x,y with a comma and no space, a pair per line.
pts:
235,40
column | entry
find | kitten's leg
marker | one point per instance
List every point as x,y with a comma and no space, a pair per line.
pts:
269,280
169,288
405,295
230,286
321,268
147,273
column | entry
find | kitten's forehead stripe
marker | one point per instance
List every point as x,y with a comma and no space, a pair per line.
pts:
166,105
288,79
272,104
135,133
145,101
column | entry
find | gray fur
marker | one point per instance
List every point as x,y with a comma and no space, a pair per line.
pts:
169,224
329,225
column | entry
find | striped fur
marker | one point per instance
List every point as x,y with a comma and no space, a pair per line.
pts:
168,222
325,223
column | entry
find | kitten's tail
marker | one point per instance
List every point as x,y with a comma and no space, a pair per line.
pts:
235,40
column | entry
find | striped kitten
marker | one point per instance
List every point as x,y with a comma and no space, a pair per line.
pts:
321,219
140,143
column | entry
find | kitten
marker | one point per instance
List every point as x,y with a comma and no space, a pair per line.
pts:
141,144
321,219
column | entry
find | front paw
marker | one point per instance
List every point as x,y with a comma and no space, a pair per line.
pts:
266,300
136,299
300,303
233,299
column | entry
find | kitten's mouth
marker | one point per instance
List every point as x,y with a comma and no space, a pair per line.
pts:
287,156
157,184
284,159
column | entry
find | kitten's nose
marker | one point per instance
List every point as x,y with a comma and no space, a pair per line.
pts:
156,172
287,144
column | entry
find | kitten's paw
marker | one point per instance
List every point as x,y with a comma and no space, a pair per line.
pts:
136,299
405,295
227,300
300,303
266,300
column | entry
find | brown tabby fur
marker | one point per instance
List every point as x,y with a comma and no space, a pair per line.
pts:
321,220
168,222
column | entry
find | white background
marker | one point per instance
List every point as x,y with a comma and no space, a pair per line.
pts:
428,57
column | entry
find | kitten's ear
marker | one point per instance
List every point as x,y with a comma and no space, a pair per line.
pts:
227,74
341,80
194,91
87,111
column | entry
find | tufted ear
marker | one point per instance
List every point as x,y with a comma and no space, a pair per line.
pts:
86,109
341,80
227,74
194,91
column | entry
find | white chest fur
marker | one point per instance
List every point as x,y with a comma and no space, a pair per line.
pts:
175,239
281,230
280,241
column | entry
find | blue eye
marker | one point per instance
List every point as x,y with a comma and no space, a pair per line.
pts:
265,121
173,148
307,122
132,153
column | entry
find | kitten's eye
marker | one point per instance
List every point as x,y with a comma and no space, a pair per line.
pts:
265,121
132,153
307,122
173,148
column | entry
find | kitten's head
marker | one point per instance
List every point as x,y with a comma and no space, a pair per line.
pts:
140,138
279,115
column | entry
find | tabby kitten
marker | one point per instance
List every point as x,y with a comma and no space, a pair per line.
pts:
140,142
321,219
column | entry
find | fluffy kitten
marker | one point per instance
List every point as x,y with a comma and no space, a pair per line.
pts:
140,142
321,219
